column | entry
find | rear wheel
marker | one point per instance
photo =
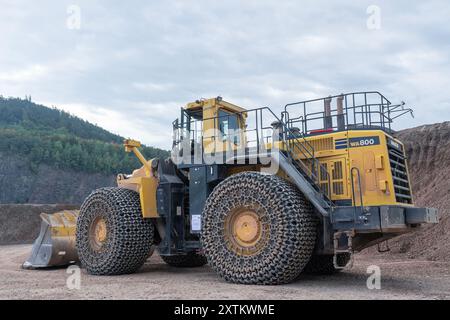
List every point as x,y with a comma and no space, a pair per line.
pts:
189,260
258,229
112,236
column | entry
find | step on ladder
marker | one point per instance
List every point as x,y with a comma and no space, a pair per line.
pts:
336,237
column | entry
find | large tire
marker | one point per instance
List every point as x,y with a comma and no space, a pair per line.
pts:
189,260
323,264
125,239
284,226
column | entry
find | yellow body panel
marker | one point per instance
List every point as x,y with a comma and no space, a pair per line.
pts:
146,186
143,180
371,160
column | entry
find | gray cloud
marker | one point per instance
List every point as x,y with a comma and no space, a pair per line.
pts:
132,65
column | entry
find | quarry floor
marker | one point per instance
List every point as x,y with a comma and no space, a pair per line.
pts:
400,279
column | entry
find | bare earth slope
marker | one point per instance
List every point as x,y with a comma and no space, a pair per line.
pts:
20,184
428,151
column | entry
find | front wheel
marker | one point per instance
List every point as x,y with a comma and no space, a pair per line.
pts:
112,236
258,229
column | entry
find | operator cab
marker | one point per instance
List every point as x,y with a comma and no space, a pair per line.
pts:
213,124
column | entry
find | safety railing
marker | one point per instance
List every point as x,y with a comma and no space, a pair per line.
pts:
356,110
259,130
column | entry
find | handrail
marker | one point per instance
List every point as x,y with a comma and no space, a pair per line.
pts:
336,96
367,109
353,191
290,139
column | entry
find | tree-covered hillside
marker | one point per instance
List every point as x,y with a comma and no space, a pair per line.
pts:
53,137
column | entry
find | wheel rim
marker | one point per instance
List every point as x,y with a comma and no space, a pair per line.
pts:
98,233
244,232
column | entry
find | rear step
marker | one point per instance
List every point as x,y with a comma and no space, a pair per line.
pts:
336,237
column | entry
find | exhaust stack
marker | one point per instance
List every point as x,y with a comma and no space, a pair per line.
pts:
328,120
340,113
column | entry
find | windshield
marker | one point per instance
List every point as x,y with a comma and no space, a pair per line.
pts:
229,126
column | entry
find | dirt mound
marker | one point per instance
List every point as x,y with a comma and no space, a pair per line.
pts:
428,150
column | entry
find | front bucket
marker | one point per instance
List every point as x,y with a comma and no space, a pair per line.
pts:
55,245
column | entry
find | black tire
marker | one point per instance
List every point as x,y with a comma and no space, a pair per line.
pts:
129,237
288,230
323,264
190,260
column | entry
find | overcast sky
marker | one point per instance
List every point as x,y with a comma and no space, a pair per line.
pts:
129,66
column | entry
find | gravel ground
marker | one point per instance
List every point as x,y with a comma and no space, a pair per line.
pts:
410,279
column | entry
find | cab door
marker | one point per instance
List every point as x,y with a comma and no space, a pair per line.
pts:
228,133
229,130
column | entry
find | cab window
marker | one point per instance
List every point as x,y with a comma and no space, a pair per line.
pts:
229,126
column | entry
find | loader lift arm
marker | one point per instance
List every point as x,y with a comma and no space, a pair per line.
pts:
144,180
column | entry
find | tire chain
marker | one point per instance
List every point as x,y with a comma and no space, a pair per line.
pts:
291,229
129,236
189,260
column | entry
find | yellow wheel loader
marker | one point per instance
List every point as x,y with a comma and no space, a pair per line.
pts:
261,198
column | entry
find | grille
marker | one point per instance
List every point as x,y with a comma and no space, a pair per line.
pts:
338,183
319,144
402,187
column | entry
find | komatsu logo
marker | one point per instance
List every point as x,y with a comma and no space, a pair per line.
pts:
394,144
